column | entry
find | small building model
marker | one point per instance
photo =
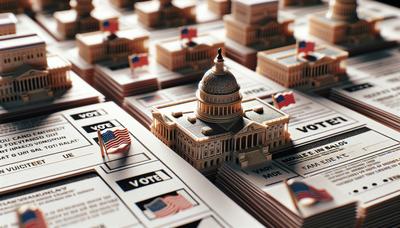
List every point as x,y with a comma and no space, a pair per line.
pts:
254,22
14,6
81,18
218,126
219,7
26,72
283,65
99,46
341,25
253,26
299,2
166,13
51,5
175,54
8,24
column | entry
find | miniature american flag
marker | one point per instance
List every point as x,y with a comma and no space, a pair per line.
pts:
188,33
110,25
31,217
138,60
283,99
116,140
305,47
305,192
168,205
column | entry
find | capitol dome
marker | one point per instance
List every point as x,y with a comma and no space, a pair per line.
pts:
218,96
213,83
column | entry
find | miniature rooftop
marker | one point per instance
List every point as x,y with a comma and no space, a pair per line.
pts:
53,62
95,38
287,55
175,44
153,6
251,108
20,41
7,19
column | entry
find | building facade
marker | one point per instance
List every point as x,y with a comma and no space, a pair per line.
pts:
125,3
98,46
8,24
219,7
218,126
51,5
325,66
254,22
166,13
342,25
81,18
26,71
175,54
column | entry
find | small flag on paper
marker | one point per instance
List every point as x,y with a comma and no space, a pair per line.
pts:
110,25
305,47
115,141
308,195
168,205
139,60
283,99
188,33
31,217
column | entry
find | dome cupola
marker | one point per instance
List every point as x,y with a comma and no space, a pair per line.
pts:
219,99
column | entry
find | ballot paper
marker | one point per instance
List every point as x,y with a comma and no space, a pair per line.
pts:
374,65
251,84
54,163
378,98
356,155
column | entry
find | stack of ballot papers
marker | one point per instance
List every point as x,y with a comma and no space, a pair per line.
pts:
378,98
118,83
79,94
274,206
348,153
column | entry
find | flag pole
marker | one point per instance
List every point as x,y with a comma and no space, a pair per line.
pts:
292,197
101,143
274,101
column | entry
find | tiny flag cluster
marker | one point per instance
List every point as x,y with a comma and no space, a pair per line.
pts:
188,33
31,217
138,60
305,47
308,194
115,141
283,99
110,25
168,205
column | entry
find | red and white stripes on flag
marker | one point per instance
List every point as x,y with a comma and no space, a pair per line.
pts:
117,140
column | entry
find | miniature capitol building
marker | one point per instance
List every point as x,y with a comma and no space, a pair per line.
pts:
218,126
14,6
166,13
283,65
81,18
175,54
8,24
99,46
254,22
299,2
26,73
341,24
